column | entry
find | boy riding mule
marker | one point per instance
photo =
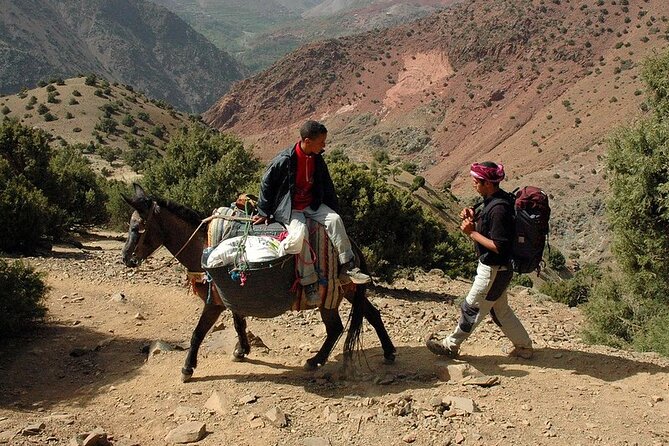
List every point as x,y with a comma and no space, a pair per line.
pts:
157,222
297,186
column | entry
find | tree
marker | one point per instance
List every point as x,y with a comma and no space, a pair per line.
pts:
22,291
42,194
203,169
635,310
393,229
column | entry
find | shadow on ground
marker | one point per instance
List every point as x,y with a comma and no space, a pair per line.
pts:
59,363
416,368
411,296
596,365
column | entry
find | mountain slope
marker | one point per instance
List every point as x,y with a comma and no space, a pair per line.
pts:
114,124
535,85
134,42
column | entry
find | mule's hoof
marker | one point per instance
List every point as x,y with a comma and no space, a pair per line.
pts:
389,359
186,375
311,365
239,354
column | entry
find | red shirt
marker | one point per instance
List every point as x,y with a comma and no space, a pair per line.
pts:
304,180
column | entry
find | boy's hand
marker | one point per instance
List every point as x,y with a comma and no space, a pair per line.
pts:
259,219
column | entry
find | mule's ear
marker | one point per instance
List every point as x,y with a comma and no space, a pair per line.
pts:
139,191
127,200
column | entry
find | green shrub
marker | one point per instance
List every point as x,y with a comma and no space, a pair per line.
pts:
22,292
157,131
574,291
610,315
5,110
117,209
25,215
109,153
91,79
203,169
140,157
522,280
556,259
128,120
107,125
393,229
77,191
42,194
417,183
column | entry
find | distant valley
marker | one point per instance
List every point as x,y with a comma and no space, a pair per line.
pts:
258,32
133,42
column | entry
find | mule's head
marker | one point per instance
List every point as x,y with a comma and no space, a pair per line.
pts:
144,234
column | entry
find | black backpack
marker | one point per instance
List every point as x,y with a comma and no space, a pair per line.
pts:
531,215
531,234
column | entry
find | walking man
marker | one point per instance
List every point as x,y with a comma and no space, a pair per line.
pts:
492,231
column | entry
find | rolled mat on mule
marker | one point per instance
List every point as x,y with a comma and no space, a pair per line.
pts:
267,291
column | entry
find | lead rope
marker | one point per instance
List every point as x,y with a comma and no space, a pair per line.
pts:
206,220
241,262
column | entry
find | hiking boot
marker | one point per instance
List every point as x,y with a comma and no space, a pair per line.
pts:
350,272
312,294
444,347
521,352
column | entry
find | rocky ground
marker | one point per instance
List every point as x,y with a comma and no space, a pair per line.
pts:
97,369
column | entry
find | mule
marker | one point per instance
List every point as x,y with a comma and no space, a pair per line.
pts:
157,222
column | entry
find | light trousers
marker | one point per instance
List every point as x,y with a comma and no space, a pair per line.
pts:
488,295
334,226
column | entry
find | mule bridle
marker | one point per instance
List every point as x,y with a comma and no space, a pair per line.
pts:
154,209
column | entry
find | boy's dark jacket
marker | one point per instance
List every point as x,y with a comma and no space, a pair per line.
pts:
278,185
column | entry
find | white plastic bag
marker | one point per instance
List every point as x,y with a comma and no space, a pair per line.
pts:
292,244
259,248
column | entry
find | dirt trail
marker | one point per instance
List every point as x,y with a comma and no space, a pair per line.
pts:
86,369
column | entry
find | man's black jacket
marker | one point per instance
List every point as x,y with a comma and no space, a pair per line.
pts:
278,185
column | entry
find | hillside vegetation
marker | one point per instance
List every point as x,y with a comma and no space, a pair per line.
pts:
119,128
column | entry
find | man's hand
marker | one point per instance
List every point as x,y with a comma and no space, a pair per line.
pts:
258,219
467,226
467,213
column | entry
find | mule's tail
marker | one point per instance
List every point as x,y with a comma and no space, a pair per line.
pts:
354,335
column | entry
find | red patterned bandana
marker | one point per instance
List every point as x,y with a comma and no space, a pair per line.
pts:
491,174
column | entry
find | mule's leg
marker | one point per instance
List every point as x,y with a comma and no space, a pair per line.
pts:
373,316
334,329
242,348
210,314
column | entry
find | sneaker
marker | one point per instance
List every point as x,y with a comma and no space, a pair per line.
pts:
351,272
442,347
312,294
521,352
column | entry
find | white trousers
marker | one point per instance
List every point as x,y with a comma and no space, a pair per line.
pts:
488,295
334,226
